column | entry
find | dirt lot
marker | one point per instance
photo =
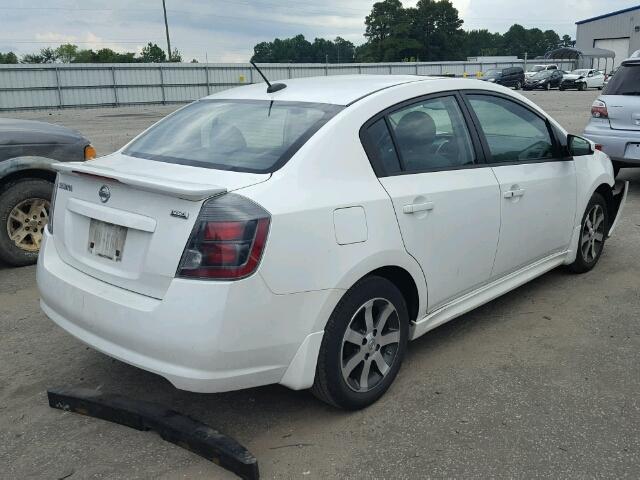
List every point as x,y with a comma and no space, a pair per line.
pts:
543,382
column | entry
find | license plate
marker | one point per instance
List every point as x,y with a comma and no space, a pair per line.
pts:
633,151
106,240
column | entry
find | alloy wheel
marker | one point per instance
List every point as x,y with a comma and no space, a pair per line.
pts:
26,223
370,345
592,238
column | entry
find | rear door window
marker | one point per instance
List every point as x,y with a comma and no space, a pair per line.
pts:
242,135
432,135
626,81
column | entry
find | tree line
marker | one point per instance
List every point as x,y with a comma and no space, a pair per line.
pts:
430,31
70,53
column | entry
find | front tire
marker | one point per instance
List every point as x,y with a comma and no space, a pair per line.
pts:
593,234
518,85
24,213
581,87
363,345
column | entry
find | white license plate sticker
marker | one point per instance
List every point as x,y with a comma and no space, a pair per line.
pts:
633,151
106,240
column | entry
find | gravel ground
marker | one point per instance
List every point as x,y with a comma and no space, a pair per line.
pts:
540,383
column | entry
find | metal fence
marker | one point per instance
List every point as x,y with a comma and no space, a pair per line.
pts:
88,85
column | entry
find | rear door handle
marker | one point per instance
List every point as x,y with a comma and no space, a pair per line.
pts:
513,193
418,207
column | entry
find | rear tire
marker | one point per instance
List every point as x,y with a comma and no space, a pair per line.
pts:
561,89
20,232
518,85
593,234
363,345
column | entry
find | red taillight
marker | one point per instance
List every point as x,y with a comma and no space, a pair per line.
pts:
599,109
598,147
225,230
227,241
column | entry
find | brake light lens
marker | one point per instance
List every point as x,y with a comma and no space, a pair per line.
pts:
598,147
227,240
599,109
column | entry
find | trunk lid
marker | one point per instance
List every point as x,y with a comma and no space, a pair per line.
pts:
126,221
624,111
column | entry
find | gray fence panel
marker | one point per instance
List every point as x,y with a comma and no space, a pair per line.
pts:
68,85
87,96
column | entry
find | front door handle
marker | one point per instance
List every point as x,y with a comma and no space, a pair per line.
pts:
514,193
418,207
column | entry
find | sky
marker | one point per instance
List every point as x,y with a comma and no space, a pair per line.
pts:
227,30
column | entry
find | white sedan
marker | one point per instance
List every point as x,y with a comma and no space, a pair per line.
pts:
303,236
583,78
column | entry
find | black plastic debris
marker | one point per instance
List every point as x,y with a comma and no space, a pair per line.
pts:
171,425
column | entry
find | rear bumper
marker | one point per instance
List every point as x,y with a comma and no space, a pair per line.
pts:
614,142
202,336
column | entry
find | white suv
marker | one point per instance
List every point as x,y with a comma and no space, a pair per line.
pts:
302,237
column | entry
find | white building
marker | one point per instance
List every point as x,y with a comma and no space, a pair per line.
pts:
616,31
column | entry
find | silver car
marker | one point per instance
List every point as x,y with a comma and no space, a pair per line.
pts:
615,117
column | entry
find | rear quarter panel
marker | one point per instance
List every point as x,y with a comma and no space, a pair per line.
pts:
331,171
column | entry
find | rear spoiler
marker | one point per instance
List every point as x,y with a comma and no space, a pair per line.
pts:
175,188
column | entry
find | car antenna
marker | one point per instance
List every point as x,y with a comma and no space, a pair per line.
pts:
271,88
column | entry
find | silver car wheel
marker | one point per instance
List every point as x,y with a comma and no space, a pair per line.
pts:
26,223
592,238
370,345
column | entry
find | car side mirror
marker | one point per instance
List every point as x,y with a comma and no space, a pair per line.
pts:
578,146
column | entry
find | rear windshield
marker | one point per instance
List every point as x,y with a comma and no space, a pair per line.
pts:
626,81
242,135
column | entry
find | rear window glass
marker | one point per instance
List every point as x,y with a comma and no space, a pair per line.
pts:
626,81
241,135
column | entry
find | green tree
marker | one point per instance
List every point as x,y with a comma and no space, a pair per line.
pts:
567,42
438,28
152,53
66,53
176,56
8,57
514,41
482,43
85,56
46,55
387,32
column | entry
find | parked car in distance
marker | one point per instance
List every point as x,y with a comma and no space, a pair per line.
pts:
615,117
508,77
583,78
539,68
303,236
28,149
544,80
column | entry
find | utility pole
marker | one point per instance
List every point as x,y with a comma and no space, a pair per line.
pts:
166,27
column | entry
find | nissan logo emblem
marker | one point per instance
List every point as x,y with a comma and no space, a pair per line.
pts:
104,193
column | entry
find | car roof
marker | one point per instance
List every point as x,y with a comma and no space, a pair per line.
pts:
334,89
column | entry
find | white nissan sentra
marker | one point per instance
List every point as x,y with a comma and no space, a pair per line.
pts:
303,236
